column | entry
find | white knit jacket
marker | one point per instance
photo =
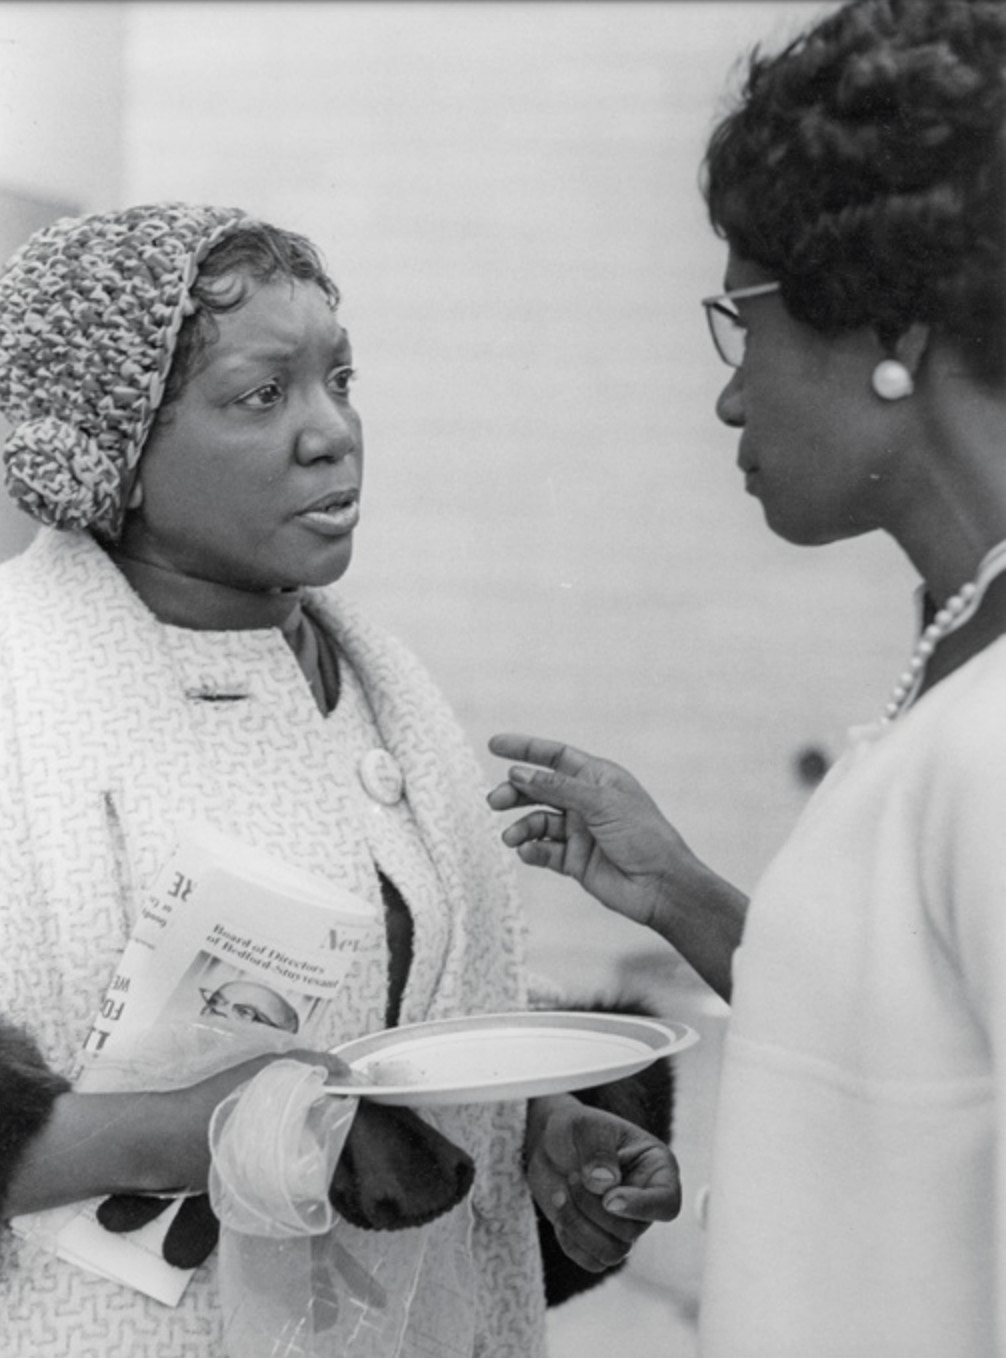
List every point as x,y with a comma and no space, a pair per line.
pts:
115,729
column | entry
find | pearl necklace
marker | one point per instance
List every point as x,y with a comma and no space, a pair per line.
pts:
957,610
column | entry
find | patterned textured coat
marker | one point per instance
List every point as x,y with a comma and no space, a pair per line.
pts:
115,730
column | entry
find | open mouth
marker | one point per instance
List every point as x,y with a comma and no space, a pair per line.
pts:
336,513
338,500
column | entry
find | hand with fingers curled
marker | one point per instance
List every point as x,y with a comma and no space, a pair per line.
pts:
599,1179
590,819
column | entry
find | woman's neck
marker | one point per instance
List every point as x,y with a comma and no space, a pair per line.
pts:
952,505
985,628
204,605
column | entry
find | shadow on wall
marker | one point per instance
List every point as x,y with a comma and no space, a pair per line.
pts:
20,215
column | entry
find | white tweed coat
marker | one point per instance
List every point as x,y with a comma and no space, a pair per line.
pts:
115,729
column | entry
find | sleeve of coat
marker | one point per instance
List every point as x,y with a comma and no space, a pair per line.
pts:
28,1085
28,1089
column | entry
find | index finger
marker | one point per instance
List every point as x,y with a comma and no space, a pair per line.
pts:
550,754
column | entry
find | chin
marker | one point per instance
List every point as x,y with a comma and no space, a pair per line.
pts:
798,537
326,572
805,533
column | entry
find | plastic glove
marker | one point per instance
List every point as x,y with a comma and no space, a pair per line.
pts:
396,1171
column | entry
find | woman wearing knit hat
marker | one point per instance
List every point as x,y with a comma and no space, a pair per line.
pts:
178,384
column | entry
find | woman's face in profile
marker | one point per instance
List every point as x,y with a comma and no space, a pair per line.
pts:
814,446
252,477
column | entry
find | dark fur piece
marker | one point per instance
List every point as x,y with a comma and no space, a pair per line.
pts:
28,1089
647,1099
397,1171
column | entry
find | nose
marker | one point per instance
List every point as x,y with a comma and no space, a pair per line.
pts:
730,403
329,431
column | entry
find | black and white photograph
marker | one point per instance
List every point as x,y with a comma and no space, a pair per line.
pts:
535,469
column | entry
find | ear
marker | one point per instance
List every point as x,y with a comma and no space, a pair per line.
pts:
910,347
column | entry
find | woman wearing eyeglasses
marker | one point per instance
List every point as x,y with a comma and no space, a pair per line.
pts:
859,1171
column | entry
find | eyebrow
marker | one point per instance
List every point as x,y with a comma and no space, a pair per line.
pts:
279,353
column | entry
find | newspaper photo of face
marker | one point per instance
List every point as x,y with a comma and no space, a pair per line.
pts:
250,1002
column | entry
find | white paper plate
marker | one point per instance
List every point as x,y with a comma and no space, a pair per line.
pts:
504,1056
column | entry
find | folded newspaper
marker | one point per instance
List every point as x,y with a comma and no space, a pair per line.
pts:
233,951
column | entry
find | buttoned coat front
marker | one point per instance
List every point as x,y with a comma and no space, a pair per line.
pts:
117,730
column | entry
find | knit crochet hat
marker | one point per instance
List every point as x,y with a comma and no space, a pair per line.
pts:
90,310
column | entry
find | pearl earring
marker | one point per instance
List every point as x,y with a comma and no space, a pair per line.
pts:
892,381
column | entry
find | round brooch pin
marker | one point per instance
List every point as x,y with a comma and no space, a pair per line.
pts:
381,777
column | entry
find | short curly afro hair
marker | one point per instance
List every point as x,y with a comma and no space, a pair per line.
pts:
864,168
